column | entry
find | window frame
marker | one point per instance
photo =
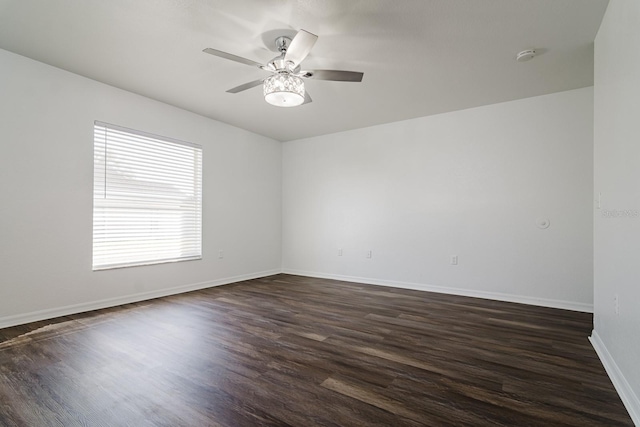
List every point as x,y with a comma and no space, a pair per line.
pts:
152,209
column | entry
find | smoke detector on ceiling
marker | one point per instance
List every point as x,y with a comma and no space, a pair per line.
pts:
525,55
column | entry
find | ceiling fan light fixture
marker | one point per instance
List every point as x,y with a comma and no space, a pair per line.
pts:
283,90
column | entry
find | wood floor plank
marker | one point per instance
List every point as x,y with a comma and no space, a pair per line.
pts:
288,350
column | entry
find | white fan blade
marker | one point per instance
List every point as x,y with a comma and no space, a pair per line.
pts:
232,57
245,86
300,47
334,75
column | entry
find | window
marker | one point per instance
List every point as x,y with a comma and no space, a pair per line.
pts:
147,198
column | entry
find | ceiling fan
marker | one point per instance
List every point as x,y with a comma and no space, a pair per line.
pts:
285,87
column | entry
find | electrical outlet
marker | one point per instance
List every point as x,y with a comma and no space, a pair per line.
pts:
340,252
369,254
454,259
220,254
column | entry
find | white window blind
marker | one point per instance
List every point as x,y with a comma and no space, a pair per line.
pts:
147,198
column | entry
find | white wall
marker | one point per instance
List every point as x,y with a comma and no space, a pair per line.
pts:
470,183
617,178
46,175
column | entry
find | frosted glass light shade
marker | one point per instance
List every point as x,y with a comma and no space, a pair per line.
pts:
283,90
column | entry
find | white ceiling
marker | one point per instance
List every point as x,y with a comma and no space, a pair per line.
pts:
419,57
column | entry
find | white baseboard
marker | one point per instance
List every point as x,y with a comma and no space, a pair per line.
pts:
543,302
626,393
36,316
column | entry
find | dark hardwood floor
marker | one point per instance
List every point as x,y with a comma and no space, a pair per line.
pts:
294,351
